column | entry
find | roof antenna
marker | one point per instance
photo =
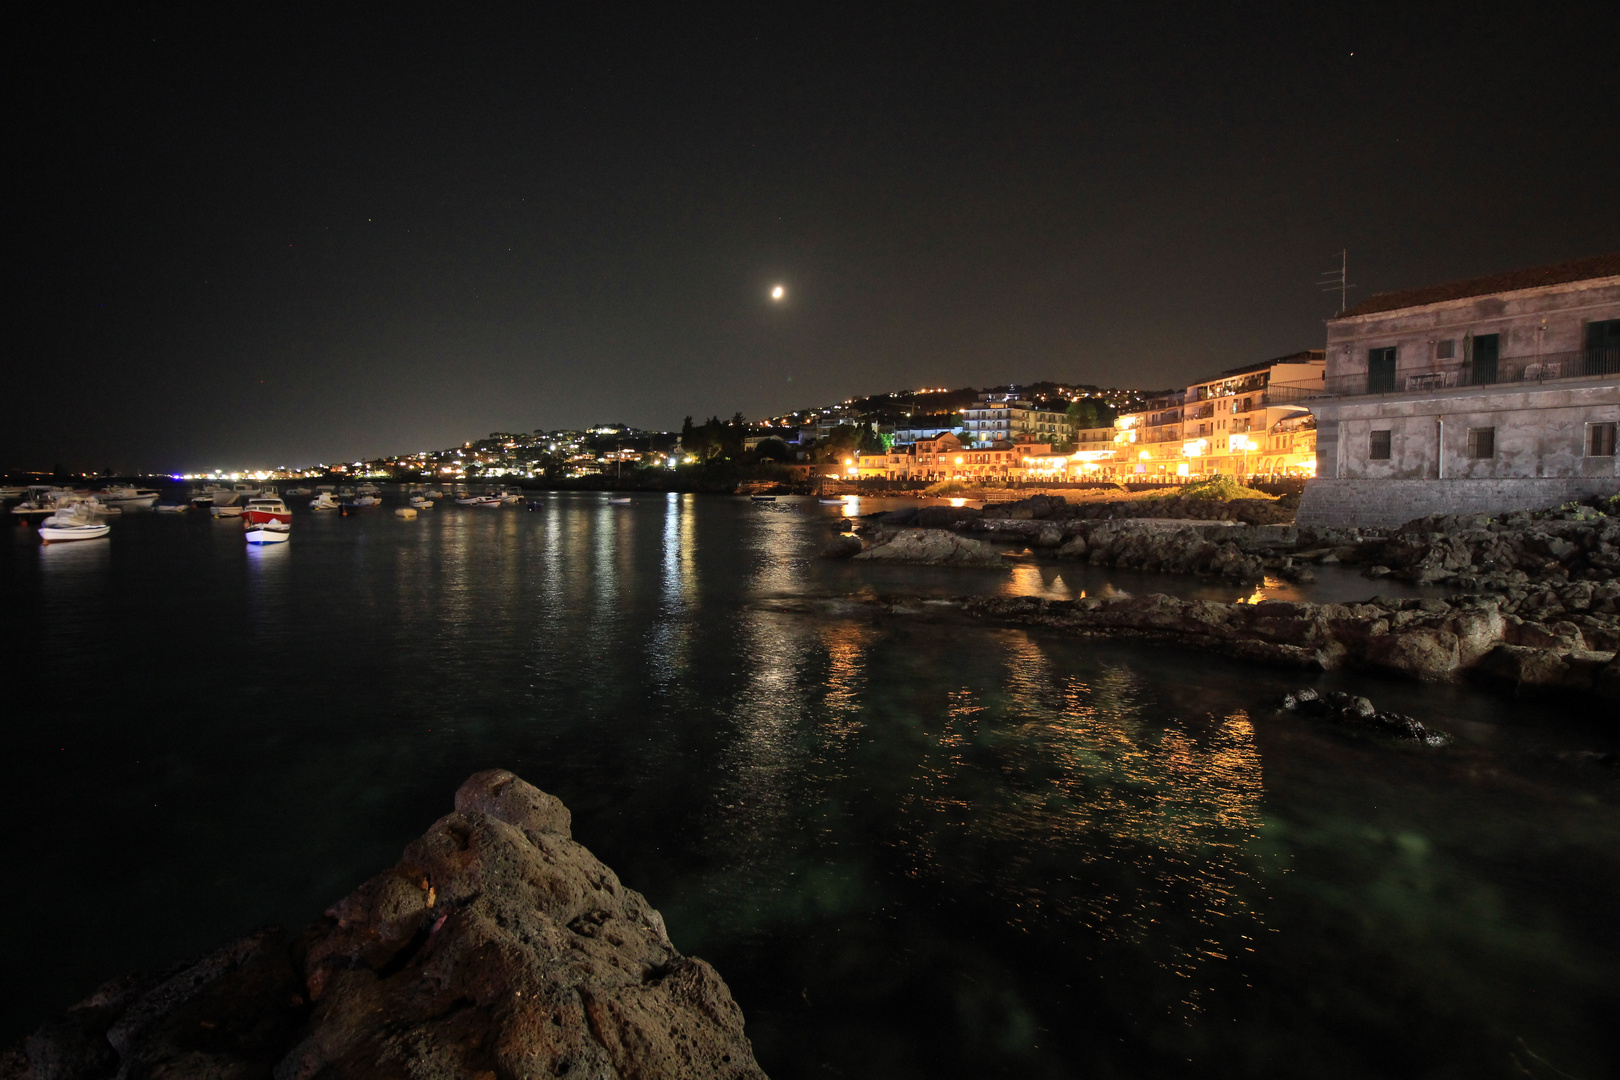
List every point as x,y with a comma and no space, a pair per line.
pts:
1338,280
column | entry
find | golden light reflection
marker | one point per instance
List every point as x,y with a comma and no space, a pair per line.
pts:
1134,819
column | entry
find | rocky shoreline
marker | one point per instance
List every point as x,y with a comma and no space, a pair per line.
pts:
1541,610
1574,544
498,946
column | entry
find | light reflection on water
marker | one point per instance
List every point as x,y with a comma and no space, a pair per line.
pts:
911,847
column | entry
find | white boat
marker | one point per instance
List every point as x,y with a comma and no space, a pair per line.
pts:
830,502
368,489
74,522
299,492
101,509
477,500
11,492
226,511
324,501
268,532
405,512
128,497
421,502
619,500
433,493
360,501
260,510
173,508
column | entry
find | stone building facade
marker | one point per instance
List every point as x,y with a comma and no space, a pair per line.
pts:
1512,377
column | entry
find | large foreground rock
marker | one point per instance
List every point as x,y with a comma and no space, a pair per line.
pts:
498,947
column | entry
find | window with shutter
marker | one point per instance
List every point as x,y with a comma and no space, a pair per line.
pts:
1381,370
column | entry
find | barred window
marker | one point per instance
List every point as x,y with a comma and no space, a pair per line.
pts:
1600,440
1481,442
1378,446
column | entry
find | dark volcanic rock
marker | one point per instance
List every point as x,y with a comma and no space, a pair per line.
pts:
1360,712
498,947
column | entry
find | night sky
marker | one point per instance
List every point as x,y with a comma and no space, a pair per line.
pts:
261,239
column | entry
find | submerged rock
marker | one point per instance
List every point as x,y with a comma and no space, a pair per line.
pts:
498,946
1360,712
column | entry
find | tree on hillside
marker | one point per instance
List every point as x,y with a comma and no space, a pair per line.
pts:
842,442
1089,413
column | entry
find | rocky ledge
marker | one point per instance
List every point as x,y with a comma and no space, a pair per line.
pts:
498,947
1534,644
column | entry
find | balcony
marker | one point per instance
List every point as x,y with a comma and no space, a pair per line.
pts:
1457,375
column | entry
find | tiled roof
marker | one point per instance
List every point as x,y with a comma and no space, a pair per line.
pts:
1597,266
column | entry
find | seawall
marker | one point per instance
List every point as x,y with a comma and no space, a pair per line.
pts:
1386,503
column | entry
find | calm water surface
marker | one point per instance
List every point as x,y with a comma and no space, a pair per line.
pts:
912,848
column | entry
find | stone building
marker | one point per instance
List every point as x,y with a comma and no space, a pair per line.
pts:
1479,396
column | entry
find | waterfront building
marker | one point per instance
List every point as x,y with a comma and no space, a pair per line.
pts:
1227,421
1478,396
896,463
1003,417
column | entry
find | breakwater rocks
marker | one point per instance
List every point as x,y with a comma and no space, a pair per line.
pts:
1515,645
498,947
1569,544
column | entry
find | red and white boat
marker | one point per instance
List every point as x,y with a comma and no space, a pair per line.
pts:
259,511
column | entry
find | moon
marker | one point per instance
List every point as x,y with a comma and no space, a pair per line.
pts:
778,292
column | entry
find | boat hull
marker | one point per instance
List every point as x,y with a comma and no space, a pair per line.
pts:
61,534
270,532
259,517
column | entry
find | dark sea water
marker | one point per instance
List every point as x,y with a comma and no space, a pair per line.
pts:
914,847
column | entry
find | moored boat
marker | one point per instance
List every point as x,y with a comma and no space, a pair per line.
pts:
128,497
228,511
262,509
73,522
268,532
477,500
421,502
324,501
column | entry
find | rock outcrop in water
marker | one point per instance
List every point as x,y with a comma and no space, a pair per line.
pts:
1359,712
930,547
498,947
1520,645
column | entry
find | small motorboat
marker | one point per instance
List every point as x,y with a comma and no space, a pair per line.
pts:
299,492
406,512
260,510
830,502
433,493
324,501
128,497
368,489
478,500
762,498
75,522
173,508
268,532
361,502
619,500
226,511
420,502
